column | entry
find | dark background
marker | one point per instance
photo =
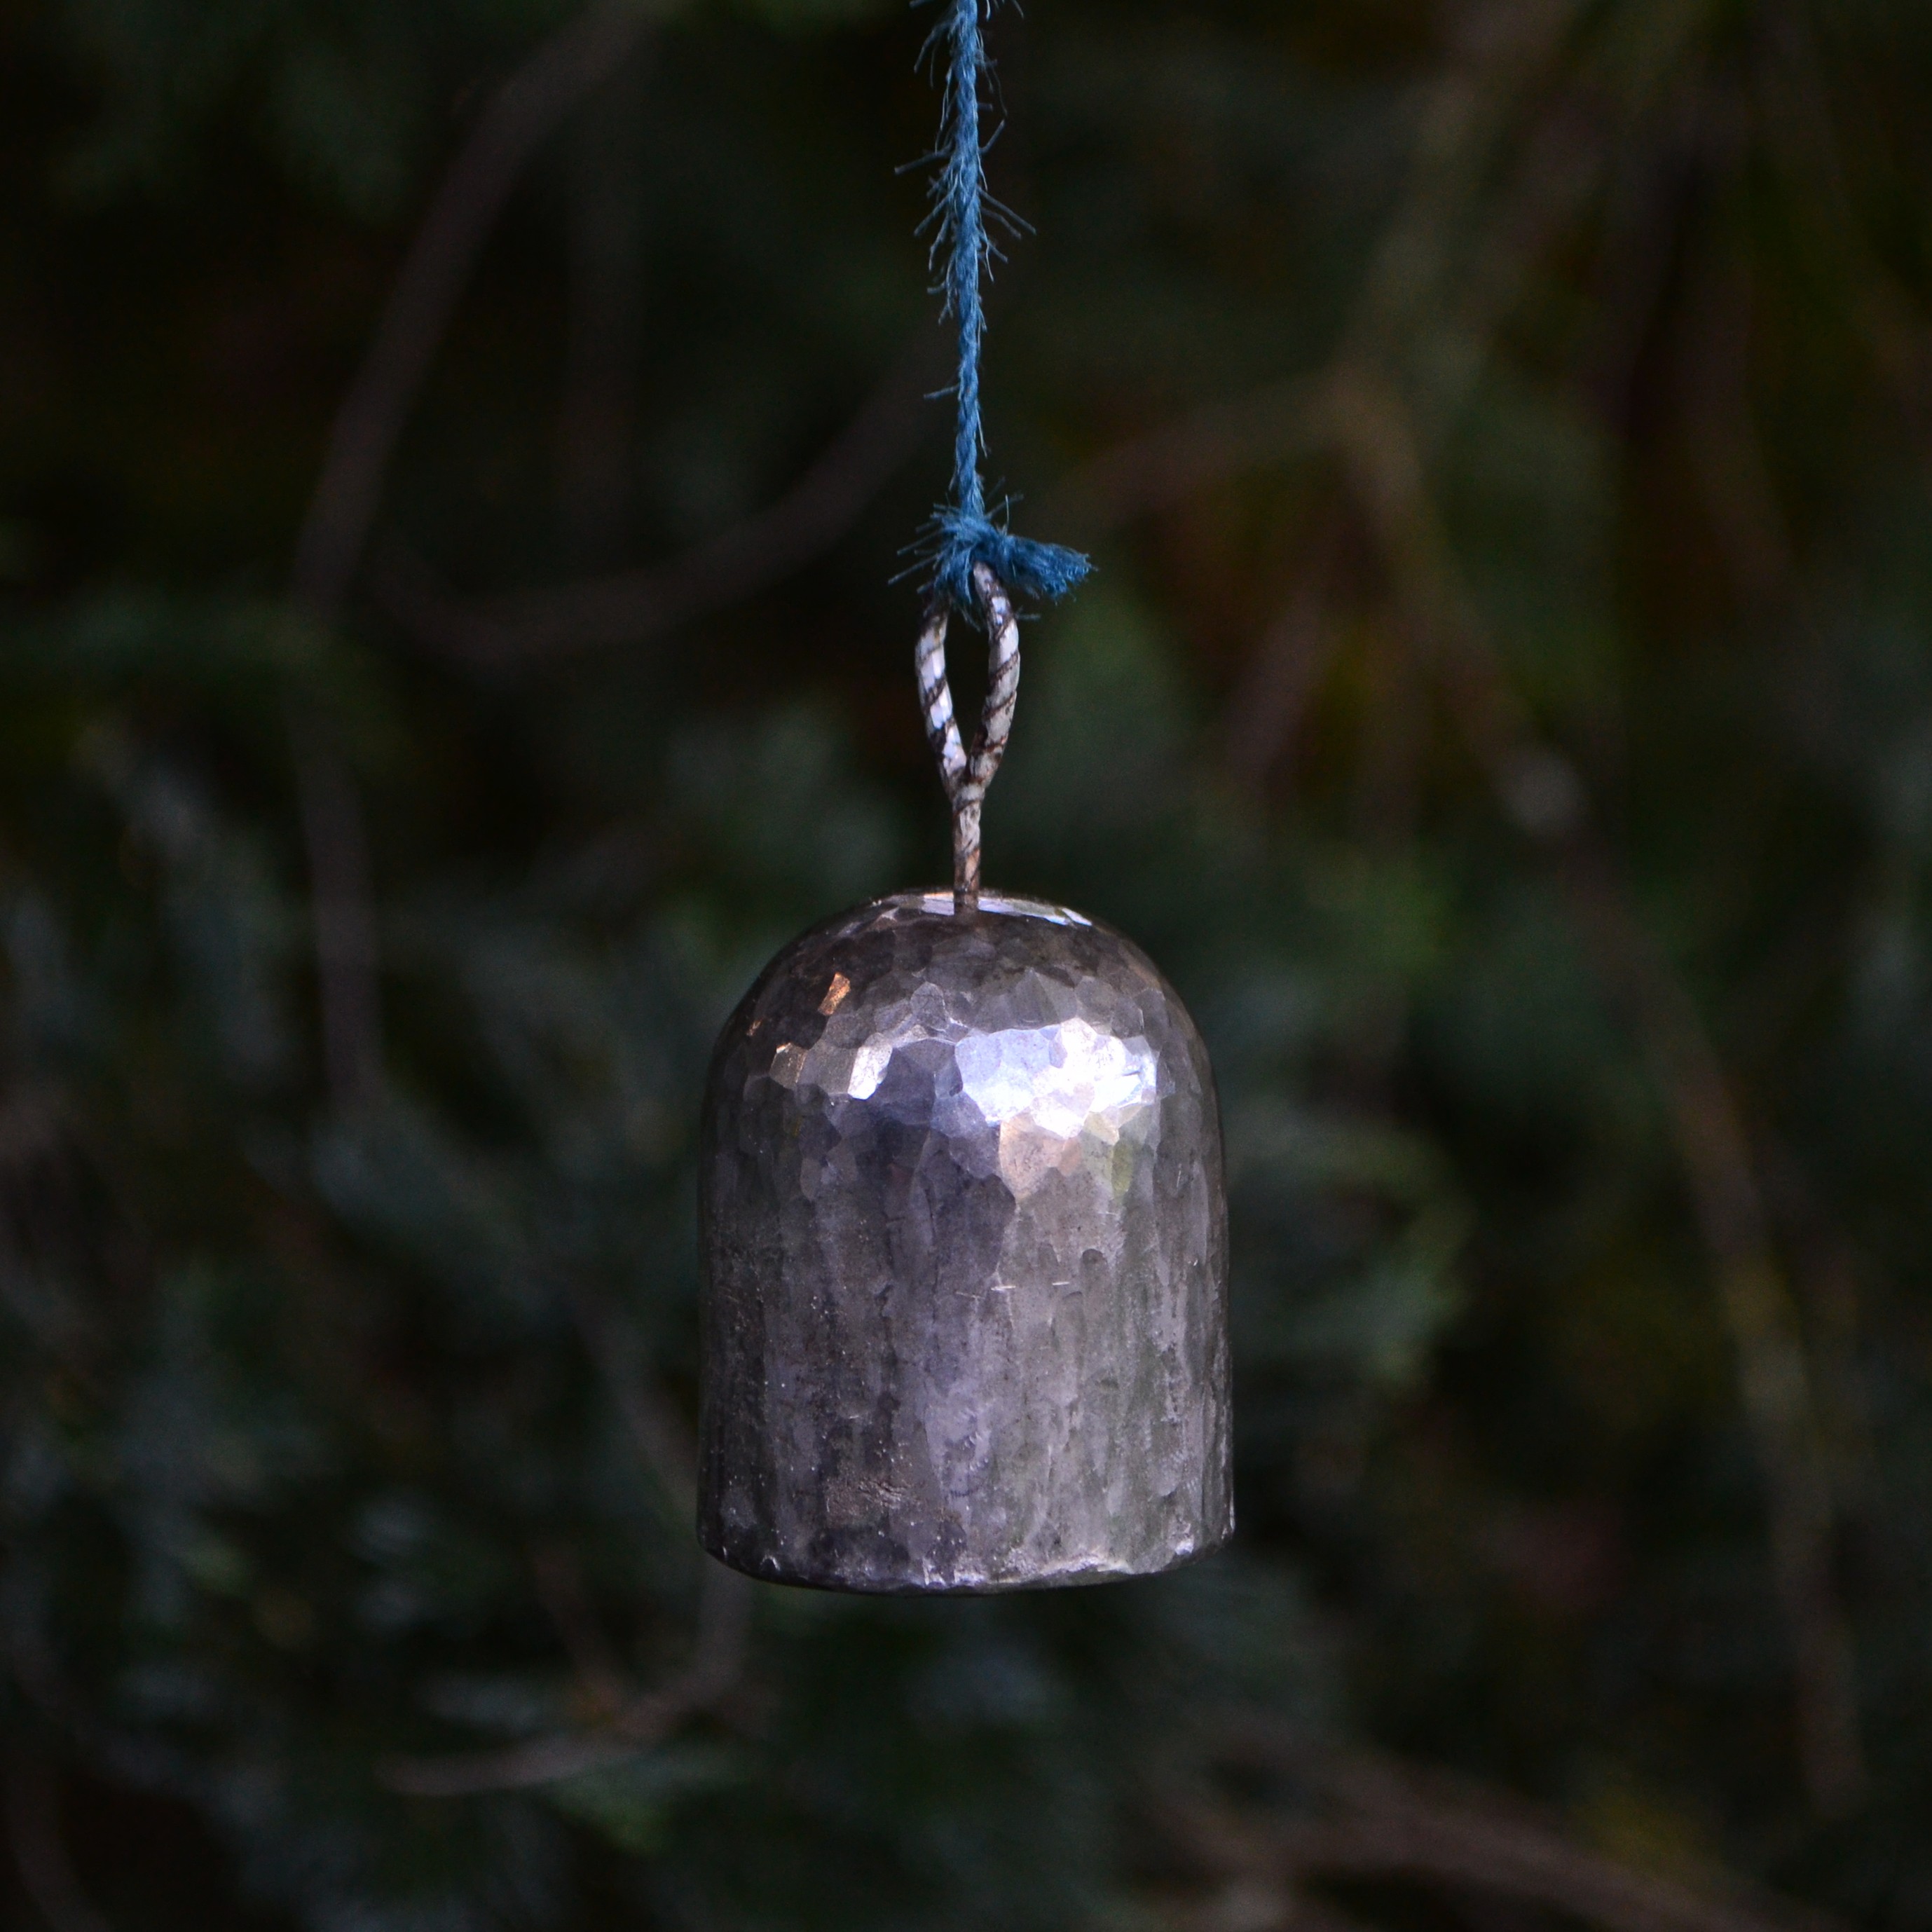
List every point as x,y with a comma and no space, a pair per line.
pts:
455,456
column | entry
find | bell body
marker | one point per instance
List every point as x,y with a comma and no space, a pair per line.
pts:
964,1323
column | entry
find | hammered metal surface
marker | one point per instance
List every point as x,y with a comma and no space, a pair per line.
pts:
964,1321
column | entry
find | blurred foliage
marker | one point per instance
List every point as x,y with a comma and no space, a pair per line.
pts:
1377,349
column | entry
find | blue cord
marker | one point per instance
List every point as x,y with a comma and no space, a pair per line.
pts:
963,533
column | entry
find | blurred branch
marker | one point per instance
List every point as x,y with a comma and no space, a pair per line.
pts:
526,110
598,422
40,1195
662,1440
630,606
342,903
1505,46
1377,1820
40,1854
361,443
1543,793
559,1582
645,1719
634,1720
1277,423
1249,1902
1890,320
1724,447
1286,667
1828,1267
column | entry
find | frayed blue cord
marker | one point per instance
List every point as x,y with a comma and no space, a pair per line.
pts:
962,534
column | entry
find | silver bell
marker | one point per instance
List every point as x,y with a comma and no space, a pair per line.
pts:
964,1323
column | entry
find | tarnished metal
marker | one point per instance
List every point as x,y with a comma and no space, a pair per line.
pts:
965,1306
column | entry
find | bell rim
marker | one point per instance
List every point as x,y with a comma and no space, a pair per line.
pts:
1091,1575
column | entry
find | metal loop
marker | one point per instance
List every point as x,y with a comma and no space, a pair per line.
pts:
966,775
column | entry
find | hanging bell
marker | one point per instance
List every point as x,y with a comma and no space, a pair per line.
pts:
964,1320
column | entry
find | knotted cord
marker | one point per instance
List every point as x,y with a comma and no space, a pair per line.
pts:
976,563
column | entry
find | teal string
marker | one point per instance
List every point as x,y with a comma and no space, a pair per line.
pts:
963,534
